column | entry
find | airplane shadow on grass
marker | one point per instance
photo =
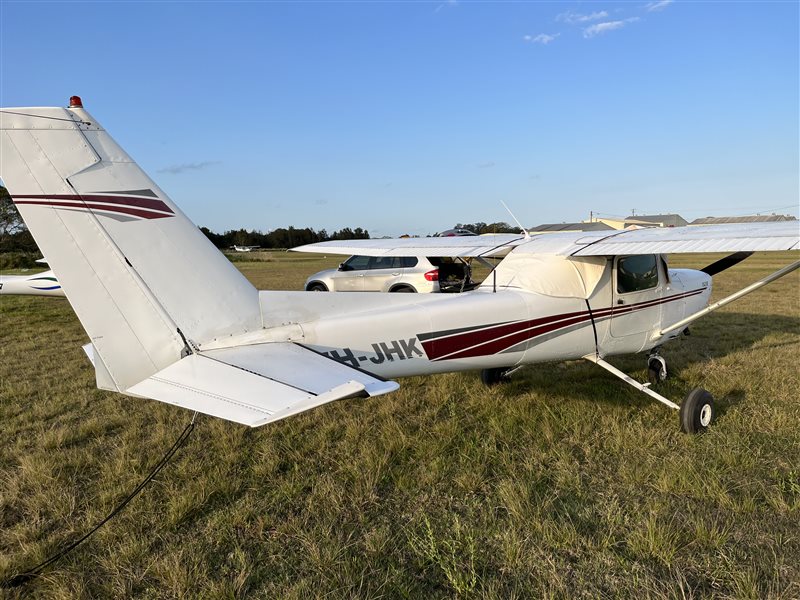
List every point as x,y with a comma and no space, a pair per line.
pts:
712,338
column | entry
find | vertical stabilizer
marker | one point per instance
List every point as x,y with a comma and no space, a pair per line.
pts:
142,278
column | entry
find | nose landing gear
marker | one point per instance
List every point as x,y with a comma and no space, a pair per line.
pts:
697,411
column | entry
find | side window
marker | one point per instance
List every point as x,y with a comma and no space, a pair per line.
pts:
357,263
380,262
407,262
637,273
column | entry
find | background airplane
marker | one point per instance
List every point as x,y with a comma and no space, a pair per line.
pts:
35,284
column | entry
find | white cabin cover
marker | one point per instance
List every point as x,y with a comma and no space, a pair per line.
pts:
550,275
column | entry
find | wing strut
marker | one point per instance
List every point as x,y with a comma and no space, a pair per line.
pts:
642,387
725,263
743,292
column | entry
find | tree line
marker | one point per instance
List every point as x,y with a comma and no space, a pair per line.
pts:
480,228
283,237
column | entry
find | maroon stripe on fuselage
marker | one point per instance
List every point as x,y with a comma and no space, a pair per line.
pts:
447,345
498,345
491,340
146,203
127,210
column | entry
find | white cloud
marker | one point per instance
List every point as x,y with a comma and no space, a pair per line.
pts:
573,18
177,169
656,6
606,26
542,38
450,3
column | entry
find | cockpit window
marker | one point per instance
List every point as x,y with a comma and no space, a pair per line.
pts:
637,273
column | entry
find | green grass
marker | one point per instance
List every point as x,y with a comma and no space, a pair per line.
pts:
564,483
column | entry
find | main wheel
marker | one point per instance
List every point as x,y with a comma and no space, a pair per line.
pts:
656,369
490,377
317,287
697,411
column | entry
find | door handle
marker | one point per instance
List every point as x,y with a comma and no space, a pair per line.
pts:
395,274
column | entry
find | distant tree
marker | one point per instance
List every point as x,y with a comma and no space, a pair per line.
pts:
282,237
480,227
499,227
10,221
215,238
14,235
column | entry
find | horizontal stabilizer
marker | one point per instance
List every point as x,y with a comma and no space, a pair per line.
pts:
258,384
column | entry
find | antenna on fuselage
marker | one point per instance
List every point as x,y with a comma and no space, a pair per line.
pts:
525,231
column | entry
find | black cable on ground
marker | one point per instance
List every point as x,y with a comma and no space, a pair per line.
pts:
23,578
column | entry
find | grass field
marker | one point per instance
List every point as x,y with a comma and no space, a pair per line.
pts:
563,483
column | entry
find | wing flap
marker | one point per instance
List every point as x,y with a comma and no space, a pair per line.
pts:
258,384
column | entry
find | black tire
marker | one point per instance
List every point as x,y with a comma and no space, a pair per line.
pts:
316,287
697,411
654,372
490,377
404,290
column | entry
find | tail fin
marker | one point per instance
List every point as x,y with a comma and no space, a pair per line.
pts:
143,280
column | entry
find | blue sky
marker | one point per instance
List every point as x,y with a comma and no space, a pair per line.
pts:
407,117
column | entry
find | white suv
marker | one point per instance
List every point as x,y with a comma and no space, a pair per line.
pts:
393,274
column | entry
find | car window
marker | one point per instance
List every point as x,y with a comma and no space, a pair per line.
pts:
357,263
380,262
636,273
408,262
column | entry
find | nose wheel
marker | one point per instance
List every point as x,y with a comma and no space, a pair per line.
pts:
697,411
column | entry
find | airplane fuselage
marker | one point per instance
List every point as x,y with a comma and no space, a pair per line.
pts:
488,328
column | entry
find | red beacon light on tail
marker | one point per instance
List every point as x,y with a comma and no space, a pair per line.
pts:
75,102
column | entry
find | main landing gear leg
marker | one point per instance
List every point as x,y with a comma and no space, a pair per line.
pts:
491,377
696,412
656,367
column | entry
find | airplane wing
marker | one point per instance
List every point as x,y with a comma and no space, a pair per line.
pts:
259,383
480,245
739,237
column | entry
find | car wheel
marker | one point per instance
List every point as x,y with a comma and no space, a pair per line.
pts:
317,287
404,290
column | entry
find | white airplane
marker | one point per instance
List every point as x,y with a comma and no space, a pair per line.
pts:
36,284
244,248
170,318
